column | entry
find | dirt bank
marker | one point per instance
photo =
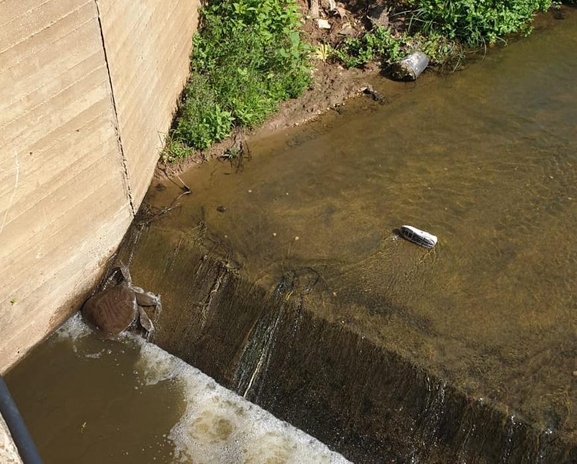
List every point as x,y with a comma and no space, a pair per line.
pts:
328,24
331,86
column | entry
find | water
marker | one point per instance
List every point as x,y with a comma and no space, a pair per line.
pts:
90,400
484,159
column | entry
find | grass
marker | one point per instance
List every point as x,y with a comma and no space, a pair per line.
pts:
247,57
443,29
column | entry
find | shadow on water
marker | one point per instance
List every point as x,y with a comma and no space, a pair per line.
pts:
72,420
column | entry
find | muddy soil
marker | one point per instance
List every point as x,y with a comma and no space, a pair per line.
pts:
332,84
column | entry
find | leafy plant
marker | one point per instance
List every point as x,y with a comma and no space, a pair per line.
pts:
247,57
323,52
381,44
375,45
476,22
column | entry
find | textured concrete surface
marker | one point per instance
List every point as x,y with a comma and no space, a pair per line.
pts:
86,88
8,451
148,60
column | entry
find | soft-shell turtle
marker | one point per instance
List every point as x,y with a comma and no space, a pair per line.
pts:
114,309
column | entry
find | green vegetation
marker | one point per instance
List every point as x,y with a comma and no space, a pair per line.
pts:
381,44
477,22
443,29
247,57
377,44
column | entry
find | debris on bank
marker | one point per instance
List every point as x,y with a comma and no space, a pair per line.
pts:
410,67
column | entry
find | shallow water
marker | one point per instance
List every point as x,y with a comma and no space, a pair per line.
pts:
87,400
486,160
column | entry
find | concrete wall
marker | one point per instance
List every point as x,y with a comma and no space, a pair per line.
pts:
8,452
87,88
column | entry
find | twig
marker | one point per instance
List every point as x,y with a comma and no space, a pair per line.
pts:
185,187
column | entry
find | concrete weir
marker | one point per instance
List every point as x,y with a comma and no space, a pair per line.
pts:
87,90
282,350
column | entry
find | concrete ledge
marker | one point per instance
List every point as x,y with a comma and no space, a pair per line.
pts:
8,451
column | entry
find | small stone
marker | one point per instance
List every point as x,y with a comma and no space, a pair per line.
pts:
221,209
341,11
323,24
347,30
296,238
574,373
274,234
249,191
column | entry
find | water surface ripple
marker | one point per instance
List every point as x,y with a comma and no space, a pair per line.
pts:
485,159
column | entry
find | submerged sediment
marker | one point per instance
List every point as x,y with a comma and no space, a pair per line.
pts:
286,281
274,347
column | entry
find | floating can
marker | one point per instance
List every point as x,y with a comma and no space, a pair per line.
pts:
410,67
418,236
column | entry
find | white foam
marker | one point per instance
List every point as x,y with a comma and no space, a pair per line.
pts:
73,328
219,426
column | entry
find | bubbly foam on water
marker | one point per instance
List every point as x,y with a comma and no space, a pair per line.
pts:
218,426
73,328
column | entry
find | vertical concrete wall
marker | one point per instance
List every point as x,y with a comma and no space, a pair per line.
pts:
148,45
87,88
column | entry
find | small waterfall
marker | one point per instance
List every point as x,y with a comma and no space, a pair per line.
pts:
287,298
428,431
219,281
256,355
510,431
